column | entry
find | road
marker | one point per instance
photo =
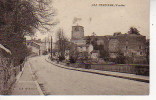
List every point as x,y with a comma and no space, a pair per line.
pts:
59,81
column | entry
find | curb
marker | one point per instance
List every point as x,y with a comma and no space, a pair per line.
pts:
38,88
94,72
19,74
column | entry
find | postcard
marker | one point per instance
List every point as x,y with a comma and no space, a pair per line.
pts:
74,47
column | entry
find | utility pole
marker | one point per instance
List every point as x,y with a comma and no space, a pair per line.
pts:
46,44
45,41
51,47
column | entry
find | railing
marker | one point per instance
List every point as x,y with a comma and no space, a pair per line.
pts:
8,74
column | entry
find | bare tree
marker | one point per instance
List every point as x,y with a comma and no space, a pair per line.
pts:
20,18
62,43
23,16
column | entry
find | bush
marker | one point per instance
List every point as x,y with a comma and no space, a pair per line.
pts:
61,58
45,52
72,60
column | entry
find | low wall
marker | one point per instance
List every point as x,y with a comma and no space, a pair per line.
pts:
138,69
123,68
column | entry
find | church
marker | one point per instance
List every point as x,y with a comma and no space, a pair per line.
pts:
79,39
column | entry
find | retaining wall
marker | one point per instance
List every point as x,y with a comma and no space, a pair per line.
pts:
8,75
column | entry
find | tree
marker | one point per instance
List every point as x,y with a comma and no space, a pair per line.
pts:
117,33
120,59
92,40
20,18
103,53
74,54
23,16
133,30
62,44
88,40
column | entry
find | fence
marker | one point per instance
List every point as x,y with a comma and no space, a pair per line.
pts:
8,74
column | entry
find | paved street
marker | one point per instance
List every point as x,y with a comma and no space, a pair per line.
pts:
59,81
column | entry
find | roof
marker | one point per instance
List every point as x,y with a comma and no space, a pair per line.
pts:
5,49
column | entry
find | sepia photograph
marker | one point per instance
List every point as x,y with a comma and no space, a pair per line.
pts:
74,47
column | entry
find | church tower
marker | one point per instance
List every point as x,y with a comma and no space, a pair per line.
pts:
77,32
78,35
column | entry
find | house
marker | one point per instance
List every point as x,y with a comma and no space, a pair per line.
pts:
37,46
110,47
132,46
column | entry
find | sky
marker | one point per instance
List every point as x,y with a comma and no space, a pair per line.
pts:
103,20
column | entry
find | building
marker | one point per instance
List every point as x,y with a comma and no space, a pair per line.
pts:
37,46
79,40
102,41
78,35
147,50
131,46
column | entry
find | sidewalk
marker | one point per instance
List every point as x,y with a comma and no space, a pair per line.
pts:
106,73
26,83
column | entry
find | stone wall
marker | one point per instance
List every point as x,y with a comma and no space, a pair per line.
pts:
8,74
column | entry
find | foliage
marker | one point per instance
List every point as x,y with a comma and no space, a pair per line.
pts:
133,30
83,56
20,18
73,56
117,33
62,44
72,59
120,58
103,53
92,40
88,40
